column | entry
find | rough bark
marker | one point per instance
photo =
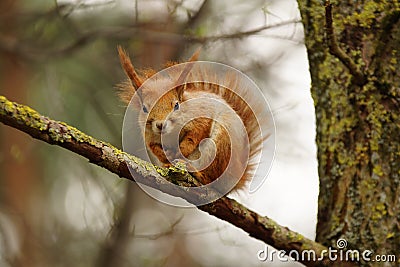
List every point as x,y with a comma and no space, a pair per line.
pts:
105,155
355,72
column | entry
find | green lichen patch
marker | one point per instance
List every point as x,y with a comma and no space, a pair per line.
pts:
162,171
378,211
82,137
366,16
22,114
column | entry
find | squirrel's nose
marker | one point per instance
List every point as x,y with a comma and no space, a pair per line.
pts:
159,125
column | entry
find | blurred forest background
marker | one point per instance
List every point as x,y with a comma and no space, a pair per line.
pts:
60,58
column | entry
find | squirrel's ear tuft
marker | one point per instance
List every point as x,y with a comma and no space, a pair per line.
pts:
179,90
195,55
189,65
125,91
126,64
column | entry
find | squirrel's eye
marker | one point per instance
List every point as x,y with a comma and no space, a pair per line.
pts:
176,107
145,109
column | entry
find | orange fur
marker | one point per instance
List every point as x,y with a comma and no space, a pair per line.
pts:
196,130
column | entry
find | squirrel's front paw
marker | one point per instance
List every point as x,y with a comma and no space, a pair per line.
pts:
177,163
180,164
183,165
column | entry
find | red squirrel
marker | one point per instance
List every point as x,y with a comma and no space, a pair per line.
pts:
215,129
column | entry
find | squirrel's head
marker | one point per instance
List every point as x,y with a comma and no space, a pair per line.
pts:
155,110
155,100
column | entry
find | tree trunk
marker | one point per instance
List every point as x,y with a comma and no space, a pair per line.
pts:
355,72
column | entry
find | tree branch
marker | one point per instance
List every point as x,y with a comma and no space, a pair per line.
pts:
335,49
105,155
240,34
32,52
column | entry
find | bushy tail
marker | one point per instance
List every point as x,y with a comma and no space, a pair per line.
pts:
250,109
